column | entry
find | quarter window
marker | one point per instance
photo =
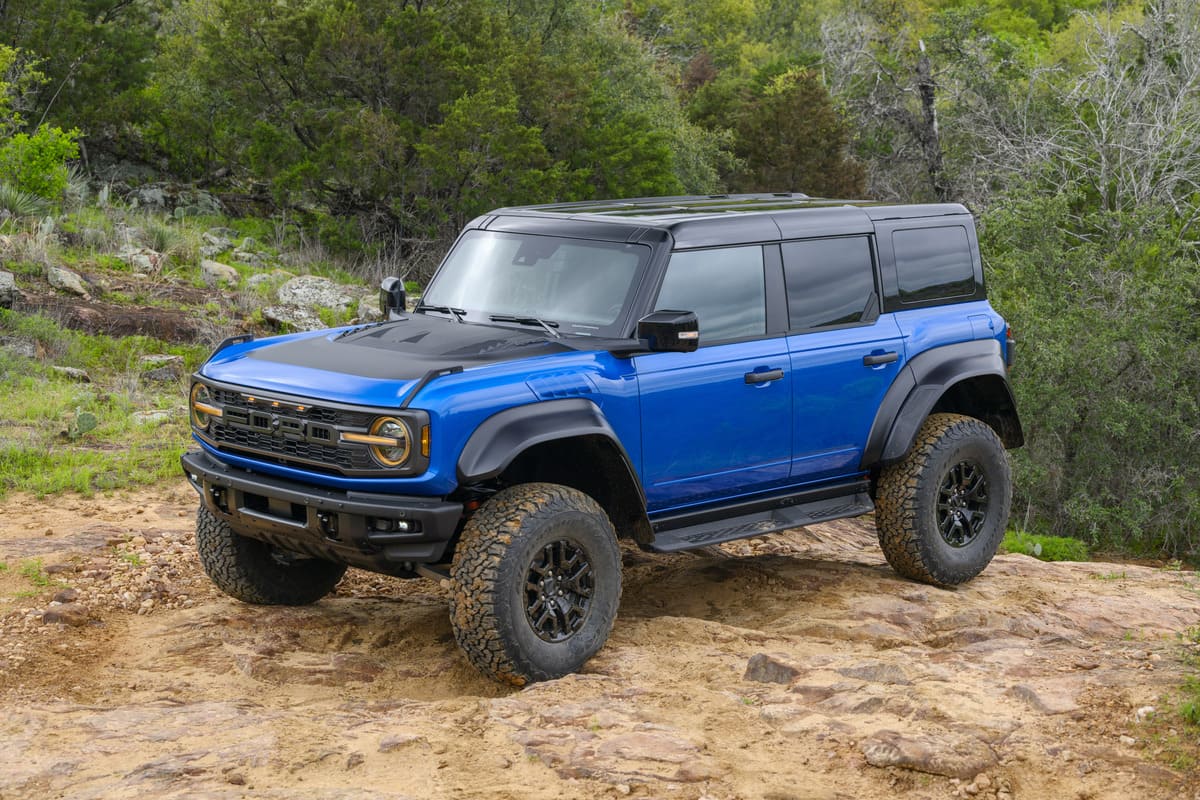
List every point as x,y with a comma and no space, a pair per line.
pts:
933,263
829,281
725,287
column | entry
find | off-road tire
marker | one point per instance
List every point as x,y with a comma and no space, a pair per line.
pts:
912,499
498,558
255,572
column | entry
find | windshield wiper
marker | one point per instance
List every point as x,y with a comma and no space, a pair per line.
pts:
457,313
548,325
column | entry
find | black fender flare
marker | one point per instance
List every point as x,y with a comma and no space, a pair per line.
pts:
918,387
502,437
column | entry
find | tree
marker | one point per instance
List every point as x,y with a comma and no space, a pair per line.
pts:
790,136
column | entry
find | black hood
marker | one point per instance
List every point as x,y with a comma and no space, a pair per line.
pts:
406,349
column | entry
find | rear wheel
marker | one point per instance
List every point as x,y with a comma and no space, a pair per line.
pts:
537,581
256,572
942,510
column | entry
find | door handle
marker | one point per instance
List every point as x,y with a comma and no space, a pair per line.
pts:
764,377
879,358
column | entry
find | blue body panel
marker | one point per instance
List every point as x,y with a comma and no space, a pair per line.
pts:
837,395
708,434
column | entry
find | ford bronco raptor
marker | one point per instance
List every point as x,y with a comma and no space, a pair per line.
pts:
678,372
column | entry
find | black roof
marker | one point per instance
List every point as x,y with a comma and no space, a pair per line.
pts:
701,221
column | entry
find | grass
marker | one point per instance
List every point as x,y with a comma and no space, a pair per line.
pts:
35,572
42,448
1045,548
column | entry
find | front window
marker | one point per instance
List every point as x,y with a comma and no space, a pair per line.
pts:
578,285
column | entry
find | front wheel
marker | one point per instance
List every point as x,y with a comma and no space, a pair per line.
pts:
256,572
536,583
941,511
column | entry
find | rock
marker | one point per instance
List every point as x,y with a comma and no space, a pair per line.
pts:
197,203
1044,700
299,319
160,360
310,291
1144,713
765,668
877,672
20,347
73,373
8,290
220,234
143,260
214,273
1128,741
152,417
247,257
394,742
951,756
71,614
649,747
161,368
150,197
161,375
368,309
66,595
66,280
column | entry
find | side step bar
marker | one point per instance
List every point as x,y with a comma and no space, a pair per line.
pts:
684,532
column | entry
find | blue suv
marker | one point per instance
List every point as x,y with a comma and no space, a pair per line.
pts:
678,372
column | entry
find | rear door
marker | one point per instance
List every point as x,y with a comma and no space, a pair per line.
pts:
843,353
716,423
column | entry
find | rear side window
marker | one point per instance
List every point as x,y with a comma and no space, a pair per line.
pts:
725,287
829,281
933,263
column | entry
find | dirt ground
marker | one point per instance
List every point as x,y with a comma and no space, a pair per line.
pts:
792,666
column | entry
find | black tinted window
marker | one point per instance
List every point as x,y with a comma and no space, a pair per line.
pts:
829,281
724,287
933,263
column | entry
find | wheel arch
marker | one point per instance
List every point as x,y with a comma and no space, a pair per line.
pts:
966,378
568,442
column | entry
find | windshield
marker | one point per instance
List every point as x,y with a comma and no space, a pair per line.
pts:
579,285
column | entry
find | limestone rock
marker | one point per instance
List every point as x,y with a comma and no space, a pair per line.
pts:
952,756
66,280
876,672
764,668
214,273
73,373
8,290
297,318
71,614
310,291
368,309
1045,700
142,260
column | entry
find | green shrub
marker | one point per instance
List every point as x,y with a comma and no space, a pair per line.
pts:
37,164
1046,548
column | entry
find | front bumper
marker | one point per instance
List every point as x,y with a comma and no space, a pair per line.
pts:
379,532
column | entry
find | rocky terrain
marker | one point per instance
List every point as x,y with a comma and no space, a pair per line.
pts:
793,666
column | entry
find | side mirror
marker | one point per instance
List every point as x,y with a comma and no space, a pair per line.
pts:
670,331
391,297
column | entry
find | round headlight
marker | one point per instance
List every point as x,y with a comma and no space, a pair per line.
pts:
391,428
201,398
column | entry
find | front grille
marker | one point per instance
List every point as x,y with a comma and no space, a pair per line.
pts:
290,431
291,450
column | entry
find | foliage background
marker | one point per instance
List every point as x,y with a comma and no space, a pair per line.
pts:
1071,127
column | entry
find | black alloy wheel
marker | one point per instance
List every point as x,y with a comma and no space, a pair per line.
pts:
962,504
558,590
